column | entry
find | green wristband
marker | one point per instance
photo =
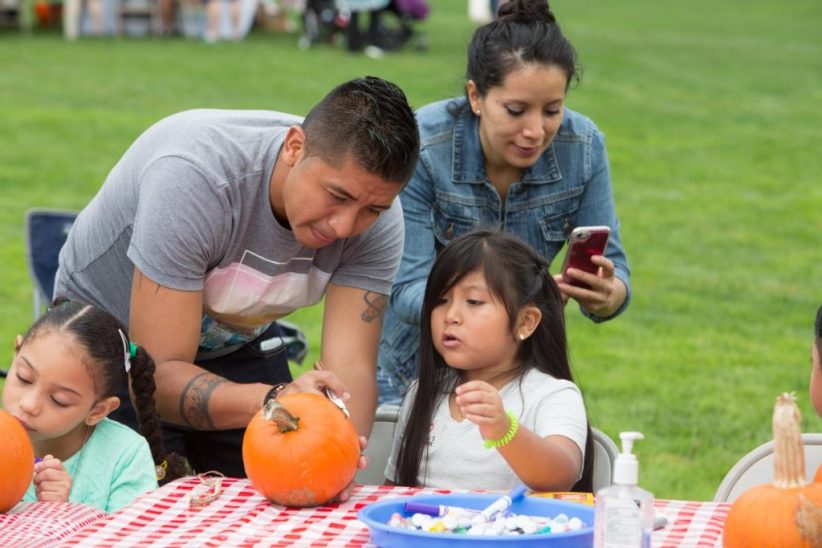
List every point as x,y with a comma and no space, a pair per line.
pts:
506,439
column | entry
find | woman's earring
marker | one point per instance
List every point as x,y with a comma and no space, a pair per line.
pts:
477,112
522,336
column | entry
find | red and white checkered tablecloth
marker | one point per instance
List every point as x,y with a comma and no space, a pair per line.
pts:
44,524
241,517
238,517
691,523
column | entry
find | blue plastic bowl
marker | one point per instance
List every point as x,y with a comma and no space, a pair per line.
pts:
376,516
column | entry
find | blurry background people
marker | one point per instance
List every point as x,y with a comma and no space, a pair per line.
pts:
214,9
73,17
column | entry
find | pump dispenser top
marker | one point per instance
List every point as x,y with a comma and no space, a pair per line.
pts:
626,467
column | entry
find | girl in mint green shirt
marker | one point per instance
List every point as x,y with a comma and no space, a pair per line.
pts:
61,388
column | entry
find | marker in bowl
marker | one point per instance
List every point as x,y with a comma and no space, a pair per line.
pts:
502,504
436,510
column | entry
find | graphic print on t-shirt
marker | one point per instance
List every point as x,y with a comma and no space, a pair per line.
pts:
243,298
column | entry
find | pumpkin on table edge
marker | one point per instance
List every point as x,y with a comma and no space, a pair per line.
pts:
16,461
787,512
300,450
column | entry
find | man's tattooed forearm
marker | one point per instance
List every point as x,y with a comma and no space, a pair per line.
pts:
194,401
377,303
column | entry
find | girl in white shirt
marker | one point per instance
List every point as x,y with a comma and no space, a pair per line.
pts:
495,404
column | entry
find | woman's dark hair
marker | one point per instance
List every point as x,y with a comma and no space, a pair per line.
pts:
524,32
518,277
106,343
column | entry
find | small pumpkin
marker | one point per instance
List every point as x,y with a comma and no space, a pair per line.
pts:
787,512
16,461
300,450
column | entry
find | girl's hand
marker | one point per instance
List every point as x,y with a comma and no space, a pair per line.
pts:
51,481
480,403
606,293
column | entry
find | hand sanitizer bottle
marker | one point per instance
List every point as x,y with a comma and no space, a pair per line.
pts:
624,515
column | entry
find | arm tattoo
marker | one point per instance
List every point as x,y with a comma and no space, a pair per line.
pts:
375,310
194,400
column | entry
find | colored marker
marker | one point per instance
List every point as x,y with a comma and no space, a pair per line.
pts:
503,503
436,510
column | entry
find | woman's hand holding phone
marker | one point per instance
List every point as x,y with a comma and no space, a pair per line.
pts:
587,276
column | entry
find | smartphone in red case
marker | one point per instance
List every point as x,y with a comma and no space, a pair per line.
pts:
585,242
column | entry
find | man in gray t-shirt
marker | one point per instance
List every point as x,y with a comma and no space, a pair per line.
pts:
214,224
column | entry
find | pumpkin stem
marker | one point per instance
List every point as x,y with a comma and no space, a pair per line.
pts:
809,521
274,411
788,454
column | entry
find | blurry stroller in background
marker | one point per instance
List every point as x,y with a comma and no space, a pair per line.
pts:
390,28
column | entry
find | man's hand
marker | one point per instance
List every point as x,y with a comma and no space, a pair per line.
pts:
346,493
51,481
315,382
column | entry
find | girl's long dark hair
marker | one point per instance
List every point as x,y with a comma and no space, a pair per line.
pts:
98,332
517,276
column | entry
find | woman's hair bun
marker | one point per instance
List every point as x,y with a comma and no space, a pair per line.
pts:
526,11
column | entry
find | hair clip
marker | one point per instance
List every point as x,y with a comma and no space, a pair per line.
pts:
126,350
819,322
160,470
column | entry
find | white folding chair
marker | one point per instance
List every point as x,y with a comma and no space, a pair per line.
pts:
382,440
605,454
379,446
46,231
756,468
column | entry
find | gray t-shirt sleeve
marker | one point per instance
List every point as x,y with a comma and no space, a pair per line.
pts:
181,226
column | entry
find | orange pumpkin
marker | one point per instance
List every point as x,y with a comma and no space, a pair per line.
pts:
16,461
300,450
787,512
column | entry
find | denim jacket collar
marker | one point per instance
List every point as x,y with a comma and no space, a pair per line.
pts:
469,161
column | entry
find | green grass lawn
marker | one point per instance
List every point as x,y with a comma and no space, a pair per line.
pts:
713,124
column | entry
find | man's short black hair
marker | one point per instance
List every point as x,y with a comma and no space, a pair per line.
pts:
370,119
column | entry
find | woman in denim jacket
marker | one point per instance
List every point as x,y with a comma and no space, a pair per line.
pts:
508,155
